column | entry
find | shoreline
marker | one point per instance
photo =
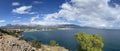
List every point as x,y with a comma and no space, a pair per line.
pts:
49,29
9,42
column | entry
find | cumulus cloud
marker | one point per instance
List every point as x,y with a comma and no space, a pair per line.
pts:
15,4
92,13
1,21
23,10
34,18
47,21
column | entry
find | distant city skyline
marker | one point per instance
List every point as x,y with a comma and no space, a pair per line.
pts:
91,13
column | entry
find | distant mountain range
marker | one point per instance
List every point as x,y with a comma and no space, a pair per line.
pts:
10,26
17,26
68,26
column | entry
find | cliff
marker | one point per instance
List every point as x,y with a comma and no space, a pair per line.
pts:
10,43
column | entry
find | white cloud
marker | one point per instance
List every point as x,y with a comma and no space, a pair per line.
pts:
16,21
18,17
34,18
23,10
15,4
92,13
1,21
47,21
37,2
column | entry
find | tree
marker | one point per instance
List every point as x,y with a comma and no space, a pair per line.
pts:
53,43
88,42
36,43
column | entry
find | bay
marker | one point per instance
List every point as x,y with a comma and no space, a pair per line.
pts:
65,38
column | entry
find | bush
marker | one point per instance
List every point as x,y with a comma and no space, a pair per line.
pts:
27,40
53,43
88,42
9,32
36,43
3,31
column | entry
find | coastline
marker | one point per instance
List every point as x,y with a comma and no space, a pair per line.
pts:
12,43
48,29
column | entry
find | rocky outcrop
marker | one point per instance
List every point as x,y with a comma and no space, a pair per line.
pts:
10,43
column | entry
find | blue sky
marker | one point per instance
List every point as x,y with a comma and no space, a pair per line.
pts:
39,6
92,13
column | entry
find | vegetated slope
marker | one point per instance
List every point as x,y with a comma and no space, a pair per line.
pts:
11,43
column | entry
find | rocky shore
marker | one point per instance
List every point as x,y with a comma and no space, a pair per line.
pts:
10,43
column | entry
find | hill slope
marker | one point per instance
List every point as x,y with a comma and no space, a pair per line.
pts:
10,43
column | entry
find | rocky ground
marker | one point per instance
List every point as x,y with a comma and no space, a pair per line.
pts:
10,43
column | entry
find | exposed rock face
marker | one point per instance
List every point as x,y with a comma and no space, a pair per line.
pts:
10,43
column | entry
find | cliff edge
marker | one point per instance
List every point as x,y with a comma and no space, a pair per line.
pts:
11,43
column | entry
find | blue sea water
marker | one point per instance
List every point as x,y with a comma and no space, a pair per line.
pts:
65,38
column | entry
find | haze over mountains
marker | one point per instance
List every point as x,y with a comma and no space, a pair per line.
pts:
17,26
21,26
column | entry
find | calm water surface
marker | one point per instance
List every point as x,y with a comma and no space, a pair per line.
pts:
65,38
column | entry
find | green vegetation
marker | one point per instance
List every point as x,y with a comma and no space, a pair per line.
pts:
3,31
36,43
88,42
53,43
27,40
13,32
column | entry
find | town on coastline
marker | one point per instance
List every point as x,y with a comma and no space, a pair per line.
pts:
24,28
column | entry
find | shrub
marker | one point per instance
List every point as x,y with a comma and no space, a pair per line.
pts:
9,32
53,43
88,42
36,43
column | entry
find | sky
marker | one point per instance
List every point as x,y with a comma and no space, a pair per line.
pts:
91,13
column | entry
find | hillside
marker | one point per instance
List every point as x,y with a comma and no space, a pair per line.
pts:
11,43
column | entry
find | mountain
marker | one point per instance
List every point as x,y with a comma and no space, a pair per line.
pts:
17,26
68,26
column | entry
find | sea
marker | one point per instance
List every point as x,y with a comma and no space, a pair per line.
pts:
65,38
